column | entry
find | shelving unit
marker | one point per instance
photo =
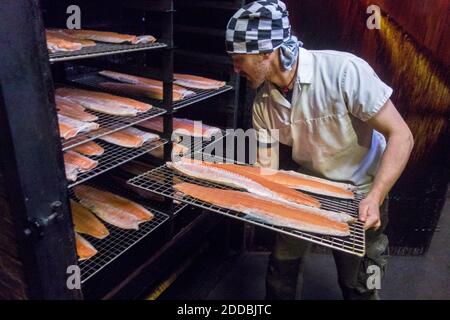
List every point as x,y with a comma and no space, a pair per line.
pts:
92,81
113,157
38,193
110,124
119,241
102,49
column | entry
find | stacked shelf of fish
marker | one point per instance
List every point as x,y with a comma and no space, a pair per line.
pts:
115,119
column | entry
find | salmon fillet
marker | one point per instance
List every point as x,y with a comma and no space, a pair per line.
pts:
83,163
85,250
85,222
182,127
128,78
146,85
272,212
71,171
69,128
106,99
102,36
144,39
95,104
113,209
139,90
57,44
256,185
304,182
251,183
59,33
73,110
196,82
130,137
89,148
66,131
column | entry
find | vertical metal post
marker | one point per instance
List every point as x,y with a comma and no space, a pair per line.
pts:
30,151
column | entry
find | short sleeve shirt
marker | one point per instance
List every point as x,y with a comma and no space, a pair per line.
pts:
335,93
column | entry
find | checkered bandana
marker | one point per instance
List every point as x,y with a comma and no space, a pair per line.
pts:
262,27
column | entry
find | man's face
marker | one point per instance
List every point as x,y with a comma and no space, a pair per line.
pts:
254,67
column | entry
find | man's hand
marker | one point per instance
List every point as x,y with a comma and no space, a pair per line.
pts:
369,212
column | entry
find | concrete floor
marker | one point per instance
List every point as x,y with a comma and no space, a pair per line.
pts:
243,277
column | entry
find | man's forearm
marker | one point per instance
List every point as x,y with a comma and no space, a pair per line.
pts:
392,164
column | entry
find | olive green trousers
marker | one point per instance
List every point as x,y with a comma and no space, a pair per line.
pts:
284,280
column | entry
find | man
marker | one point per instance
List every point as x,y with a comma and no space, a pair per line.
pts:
335,113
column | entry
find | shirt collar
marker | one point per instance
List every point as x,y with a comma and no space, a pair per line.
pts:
305,68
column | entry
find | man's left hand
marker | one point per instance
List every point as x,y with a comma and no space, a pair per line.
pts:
369,212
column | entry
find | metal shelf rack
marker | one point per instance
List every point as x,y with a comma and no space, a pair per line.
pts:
353,244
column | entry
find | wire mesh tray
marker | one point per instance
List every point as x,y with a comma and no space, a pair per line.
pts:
93,80
109,124
198,144
114,156
353,244
102,49
118,241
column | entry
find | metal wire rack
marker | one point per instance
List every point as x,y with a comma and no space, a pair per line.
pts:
199,96
93,80
102,49
117,242
109,124
114,156
198,144
353,244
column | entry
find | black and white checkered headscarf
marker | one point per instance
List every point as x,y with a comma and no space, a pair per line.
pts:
261,27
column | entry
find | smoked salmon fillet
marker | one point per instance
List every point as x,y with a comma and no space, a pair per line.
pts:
196,82
143,86
86,222
104,102
102,36
141,90
182,127
300,181
89,148
83,163
69,128
71,171
85,250
113,209
130,137
73,110
272,212
57,33
256,185
144,39
209,171
57,44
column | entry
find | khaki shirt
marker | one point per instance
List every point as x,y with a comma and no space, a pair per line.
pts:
335,93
